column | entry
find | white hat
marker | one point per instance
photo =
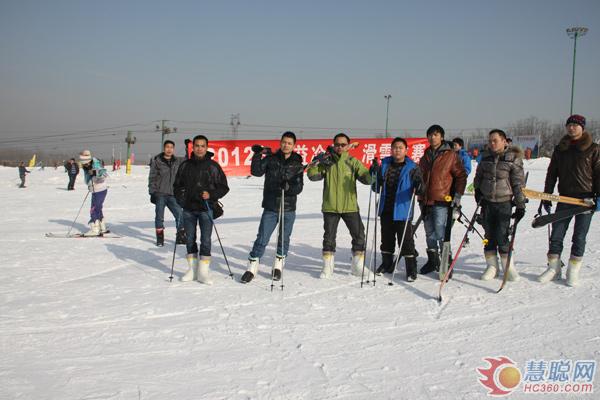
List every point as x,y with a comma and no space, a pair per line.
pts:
85,156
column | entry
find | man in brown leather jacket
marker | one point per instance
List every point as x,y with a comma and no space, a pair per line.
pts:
575,164
444,175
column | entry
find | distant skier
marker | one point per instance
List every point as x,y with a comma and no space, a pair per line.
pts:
199,184
72,170
341,171
575,164
458,145
22,172
444,175
283,171
95,177
397,178
163,170
499,180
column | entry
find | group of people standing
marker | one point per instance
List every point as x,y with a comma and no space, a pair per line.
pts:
191,189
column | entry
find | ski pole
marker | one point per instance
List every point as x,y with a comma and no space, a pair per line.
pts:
219,238
362,278
280,222
377,199
282,236
408,221
469,228
173,261
78,212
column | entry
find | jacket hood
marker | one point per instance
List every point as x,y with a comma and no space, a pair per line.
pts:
515,151
293,157
209,155
582,144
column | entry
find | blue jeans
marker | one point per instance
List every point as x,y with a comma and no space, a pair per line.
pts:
97,205
435,226
268,222
171,203
559,230
204,219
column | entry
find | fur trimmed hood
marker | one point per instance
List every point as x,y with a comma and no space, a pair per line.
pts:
582,144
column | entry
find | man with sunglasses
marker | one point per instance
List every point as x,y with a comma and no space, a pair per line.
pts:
340,172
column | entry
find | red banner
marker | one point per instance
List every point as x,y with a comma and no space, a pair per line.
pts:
235,156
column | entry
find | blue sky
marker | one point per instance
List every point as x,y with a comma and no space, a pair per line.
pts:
83,65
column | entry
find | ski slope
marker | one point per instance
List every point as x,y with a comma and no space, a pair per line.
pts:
98,319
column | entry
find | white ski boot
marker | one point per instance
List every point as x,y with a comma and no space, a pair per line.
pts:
328,257
513,275
94,229
553,272
204,271
251,271
192,273
491,271
103,228
278,267
358,261
573,271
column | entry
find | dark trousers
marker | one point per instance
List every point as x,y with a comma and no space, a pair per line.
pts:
190,220
163,201
71,184
559,230
22,181
354,225
391,231
268,222
496,222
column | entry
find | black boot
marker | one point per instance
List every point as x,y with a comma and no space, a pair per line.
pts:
387,264
432,264
180,238
160,237
411,268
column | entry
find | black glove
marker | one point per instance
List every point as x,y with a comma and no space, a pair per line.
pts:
324,158
547,204
257,148
478,196
518,214
284,185
93,172
456,201
417,184
374,169
152,198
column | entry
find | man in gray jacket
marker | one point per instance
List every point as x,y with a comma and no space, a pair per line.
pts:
163,169
499,181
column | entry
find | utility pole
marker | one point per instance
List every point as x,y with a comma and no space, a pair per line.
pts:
387,112
130,140
235,123
164,130
574,33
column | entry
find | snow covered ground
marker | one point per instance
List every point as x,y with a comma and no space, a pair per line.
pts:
98,318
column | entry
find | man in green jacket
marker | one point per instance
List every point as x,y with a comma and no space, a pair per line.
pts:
341,171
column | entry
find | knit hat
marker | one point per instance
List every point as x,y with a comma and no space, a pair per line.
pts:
85,156
576,119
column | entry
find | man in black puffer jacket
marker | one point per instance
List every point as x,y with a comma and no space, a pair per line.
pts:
283,174
199,184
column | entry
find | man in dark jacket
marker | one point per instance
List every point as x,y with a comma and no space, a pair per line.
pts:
499,181
72,169
283,176
575,164
163,170
22,172
444,175
199,184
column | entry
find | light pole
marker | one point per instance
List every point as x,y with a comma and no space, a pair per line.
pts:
164,131
574,33
387,113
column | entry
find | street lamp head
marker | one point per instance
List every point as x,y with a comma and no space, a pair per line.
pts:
576,31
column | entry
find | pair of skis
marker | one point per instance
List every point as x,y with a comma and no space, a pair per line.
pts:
584,206
105,235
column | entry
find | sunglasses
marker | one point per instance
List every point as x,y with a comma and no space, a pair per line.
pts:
340,144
